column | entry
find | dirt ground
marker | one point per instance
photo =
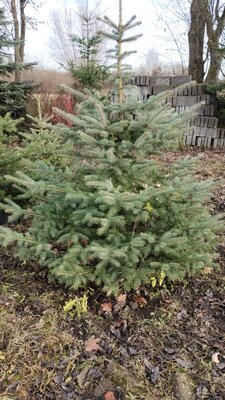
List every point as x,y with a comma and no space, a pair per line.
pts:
152,344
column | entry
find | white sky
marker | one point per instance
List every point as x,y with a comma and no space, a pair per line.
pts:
152,28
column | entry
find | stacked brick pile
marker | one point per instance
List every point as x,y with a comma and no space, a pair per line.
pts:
204,130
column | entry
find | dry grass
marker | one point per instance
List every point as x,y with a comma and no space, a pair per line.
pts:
49,80
32,347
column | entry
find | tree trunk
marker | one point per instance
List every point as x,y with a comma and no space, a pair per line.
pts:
196,36
215,30
215,65
119,65
19,26
16,27
22,29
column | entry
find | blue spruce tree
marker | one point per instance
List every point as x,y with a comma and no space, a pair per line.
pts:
114,216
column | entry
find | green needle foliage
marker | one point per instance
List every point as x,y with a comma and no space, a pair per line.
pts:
43,142
9,159
19,149
114,216
13,95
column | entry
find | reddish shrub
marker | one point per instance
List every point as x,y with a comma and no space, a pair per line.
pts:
66,103
62,101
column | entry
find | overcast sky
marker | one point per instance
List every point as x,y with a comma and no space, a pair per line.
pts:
148,11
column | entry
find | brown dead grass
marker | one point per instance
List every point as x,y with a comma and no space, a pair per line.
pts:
32,348
49,80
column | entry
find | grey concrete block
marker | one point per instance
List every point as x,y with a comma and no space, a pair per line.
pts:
130,81
193,121
199,141
222,133
208,142
194,140
137,80
145,90
160,88
194,91
187,100
209,122
142,80
159,80
208,110
147,80
221,143
201,89
203,131
215,124
197,131
215,142
206,98
189,139
169,100
180,80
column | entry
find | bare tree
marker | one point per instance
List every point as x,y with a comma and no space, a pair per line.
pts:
67,24
204,20
215,24
16,9
64,23
151,64
207,25
174,17
196,39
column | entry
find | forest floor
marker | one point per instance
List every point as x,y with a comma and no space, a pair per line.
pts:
151,344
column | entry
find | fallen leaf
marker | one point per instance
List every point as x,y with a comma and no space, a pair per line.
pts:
121,298
182,314
106,307
82,377
183,363
66,388
201,391
94,373
132,351
221,365
154,374
207,270
109,396
120,323
115,331
215,358
140,300
58,379
92,345
169,350
124,353
151,371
